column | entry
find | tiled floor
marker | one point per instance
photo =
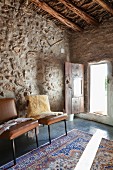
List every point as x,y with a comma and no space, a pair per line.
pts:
25,143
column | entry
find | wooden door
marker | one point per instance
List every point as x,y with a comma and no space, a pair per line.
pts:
74,88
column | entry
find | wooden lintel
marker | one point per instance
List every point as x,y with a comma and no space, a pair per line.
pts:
55,14
105,6
79,12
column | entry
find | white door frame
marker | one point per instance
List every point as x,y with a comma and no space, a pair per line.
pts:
88,78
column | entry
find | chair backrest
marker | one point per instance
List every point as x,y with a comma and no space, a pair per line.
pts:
7,109
37,104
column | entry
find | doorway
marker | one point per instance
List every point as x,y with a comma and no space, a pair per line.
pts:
98,88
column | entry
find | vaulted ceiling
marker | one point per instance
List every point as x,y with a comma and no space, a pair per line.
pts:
76,15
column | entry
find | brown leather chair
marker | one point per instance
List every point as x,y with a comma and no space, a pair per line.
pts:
8,112
39,108
48,120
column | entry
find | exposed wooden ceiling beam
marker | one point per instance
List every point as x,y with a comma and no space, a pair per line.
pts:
82,14
55,14
105,6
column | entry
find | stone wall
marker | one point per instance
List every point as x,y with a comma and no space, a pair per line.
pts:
31,61
92,45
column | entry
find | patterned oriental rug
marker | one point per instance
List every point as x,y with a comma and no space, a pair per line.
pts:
104,157
64,154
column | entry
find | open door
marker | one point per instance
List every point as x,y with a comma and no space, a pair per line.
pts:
74,88
98,88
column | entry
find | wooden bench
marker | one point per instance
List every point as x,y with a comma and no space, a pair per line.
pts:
8,112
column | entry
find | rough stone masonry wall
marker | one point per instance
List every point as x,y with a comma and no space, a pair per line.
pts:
31,61
92,45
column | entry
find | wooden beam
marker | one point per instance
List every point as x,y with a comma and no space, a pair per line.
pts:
105,6
55,14
82,14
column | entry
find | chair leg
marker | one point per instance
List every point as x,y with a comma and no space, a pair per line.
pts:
49,134
13,150
65,127
36,137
